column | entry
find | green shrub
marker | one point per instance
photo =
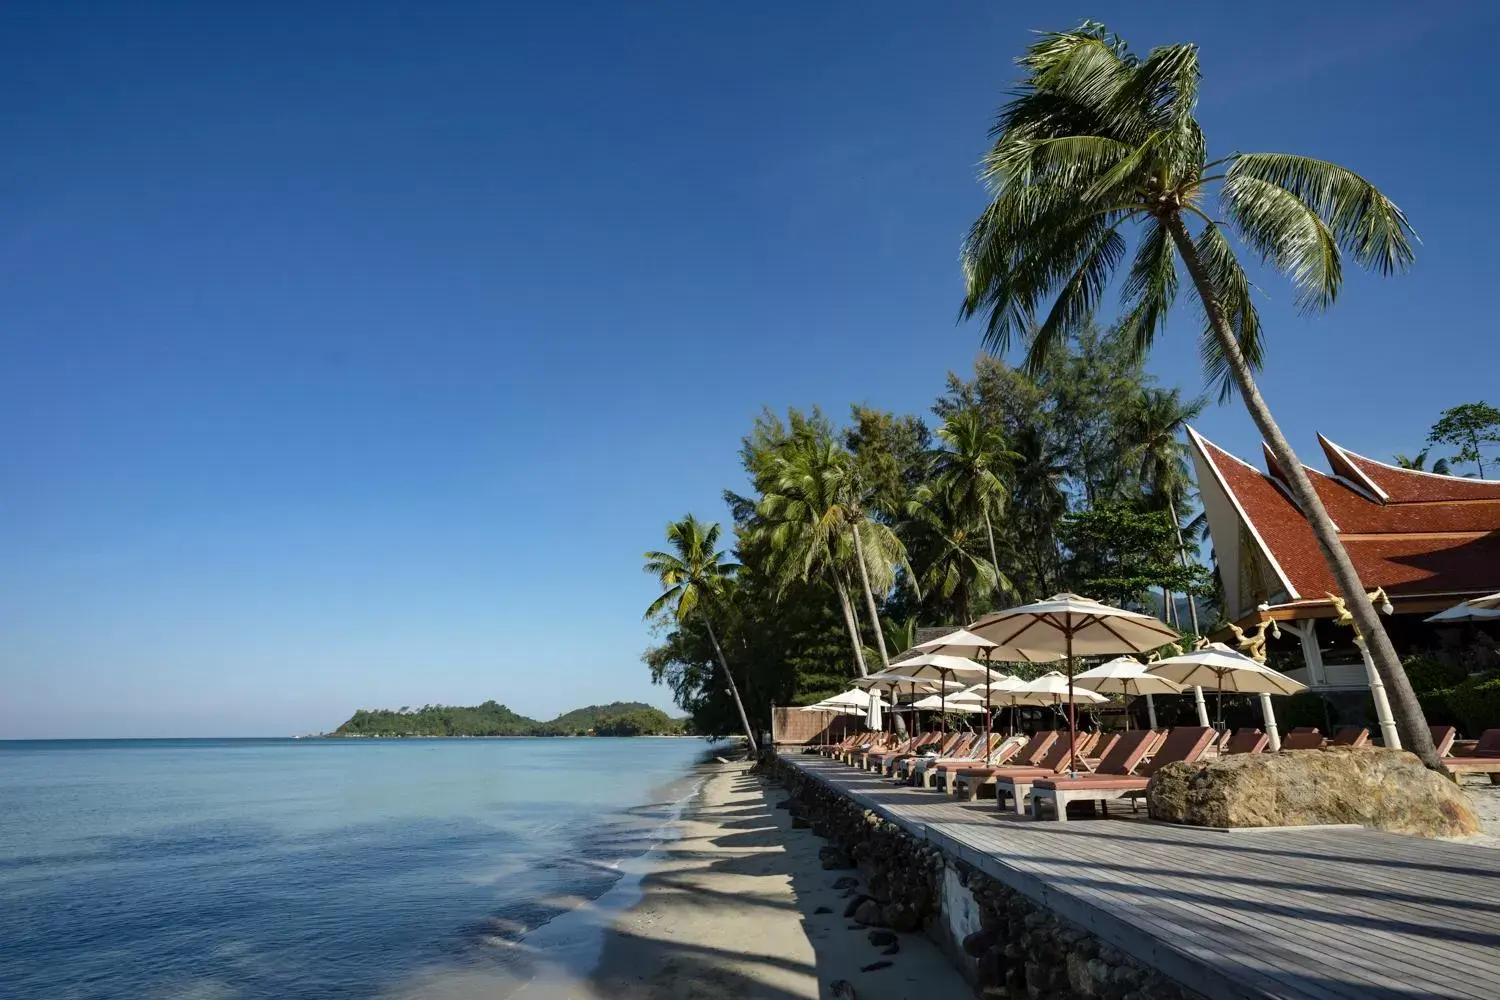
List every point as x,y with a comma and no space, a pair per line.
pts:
1303,709
1428,673
1476,704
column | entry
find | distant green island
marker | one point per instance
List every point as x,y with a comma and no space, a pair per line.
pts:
620,718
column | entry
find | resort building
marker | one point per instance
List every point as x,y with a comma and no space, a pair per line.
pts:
1428,541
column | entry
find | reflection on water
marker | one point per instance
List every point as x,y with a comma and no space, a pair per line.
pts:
260,869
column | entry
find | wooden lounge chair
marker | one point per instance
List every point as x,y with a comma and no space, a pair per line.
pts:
1103,743
866,760
1442,738
939,774
1185,743
1054,761
967,749
1030,755
1485,758
1303,739
918,771
885,763
1350,736
1125,754
1245,741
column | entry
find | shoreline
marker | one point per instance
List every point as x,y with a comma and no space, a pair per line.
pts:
739,905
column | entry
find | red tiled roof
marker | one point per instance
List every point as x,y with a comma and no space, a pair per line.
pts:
1425,534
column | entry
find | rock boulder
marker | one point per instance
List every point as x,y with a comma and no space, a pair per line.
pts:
1370,786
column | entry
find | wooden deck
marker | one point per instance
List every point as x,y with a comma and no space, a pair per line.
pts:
1313,914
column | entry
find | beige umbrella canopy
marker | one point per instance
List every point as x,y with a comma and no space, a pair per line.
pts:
1052,688
1128,676
932,703
945,667
1225,669
1074,626
1469,611
1492,601
962,642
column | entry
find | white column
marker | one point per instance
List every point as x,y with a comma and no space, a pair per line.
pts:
1269,714
1307,635
1150,712
1383,715
1202,707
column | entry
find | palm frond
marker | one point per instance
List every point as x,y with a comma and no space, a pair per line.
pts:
1287,234
1233,287
1150,288
1365,222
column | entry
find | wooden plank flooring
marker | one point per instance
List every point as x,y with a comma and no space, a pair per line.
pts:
1314,914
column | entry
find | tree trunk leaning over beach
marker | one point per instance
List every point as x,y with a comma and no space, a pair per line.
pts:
693,575
1097,138
854,640
1415,736
734,690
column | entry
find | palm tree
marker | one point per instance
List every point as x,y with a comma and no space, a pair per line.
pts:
957,571
1098,139
969,468
694,574
1155,431
820,524
1418,463
1039,501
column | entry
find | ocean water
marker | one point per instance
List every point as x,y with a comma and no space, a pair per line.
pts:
250,869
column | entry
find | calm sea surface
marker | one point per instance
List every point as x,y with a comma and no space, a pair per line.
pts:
252,869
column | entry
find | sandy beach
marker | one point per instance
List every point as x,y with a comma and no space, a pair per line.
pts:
739,906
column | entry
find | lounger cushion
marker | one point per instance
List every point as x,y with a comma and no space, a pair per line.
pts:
1091,781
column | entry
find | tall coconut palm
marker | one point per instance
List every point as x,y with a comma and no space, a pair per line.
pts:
969,467
821,523
1097,140
1155,431
957,571
693,575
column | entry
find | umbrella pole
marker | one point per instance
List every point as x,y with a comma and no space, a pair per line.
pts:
943,698
1127,705
1202,707
1221,701
1151,711
986,704
1072,714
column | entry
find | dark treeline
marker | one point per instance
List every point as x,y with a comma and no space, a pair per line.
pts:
852,535
621,718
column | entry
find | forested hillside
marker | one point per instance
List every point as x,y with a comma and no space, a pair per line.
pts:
621,718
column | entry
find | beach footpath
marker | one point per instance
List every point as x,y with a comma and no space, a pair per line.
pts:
741,906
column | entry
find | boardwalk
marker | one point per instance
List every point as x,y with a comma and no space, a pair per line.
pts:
1316,914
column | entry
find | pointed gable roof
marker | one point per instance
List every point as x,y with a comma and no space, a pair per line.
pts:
1412,533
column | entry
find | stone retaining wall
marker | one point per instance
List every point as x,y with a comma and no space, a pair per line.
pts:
1006,944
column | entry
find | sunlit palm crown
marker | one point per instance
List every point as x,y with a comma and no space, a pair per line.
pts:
1097,139
694,571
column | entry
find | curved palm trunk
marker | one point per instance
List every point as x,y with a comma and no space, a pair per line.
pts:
733,688
864,578
1410,722
851,625
989,531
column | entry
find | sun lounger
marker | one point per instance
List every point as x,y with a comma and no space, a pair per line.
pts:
1303,739
1442,738
1245,741
940,773
974,778
884,763
1485,758
1126,753
1350,736
1185,743
918,771
967,749
1054,761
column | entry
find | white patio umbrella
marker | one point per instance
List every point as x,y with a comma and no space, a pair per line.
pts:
896,684
1128,676
1469,611
853,697
1225,669
839,709
873,718
1074,626
932,703
1492,601
943,667
962,642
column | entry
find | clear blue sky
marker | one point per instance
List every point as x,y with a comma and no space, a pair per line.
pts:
350,355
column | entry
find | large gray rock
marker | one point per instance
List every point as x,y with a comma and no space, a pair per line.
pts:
1375,787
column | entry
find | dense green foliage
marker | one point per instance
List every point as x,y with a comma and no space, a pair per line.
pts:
621,718
1010,489
1470,427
